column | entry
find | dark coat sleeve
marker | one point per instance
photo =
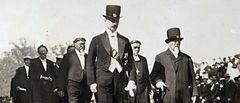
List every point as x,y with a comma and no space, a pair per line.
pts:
13,90
63,72
131,65
90,64
157,73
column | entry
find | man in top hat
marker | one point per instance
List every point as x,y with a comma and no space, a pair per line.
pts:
173,71
110,64
73,79
43,76
22,83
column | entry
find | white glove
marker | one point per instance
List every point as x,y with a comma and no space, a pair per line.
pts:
161,85
130,87
93,87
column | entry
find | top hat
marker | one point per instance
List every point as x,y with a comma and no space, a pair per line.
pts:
173,34
113,11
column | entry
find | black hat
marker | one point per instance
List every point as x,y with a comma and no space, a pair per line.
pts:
135,41
113,11
26,57
173,34
79,39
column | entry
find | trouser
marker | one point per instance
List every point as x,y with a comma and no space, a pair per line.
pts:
78,92
111,87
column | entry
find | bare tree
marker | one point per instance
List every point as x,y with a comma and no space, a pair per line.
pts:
13,59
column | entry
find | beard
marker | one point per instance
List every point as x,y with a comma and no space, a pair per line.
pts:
176,50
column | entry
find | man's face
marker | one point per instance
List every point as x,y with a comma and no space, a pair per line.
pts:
80,45
174,44
112,24
42,52
135,48
27,62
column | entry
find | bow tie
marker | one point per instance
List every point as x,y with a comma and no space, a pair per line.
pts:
113,35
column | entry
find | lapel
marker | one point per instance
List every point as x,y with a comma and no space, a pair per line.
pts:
85,56
48,66
180,57
106,43
172,59
25,72
77,58
40,62
121,45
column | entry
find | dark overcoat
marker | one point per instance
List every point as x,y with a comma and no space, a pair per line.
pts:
23,81
42,89
177,74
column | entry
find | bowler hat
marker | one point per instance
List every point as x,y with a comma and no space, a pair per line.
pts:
79,39
135,41
113,12
173,34
26,57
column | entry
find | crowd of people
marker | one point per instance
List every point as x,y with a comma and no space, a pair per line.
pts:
113,71
219,81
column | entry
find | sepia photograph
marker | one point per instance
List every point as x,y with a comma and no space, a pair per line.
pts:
119,51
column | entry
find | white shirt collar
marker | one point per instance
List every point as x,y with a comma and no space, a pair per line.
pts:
44,63
27,67
80,53
27,70
136,58
111,34
43,60
81,58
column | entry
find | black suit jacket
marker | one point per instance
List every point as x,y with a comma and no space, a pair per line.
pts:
99,57
22,80
177,73
71,69
36,69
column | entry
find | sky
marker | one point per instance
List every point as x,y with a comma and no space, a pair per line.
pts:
210,28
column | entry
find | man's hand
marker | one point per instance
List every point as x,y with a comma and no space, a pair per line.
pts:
161,85
93,87
46,78
130,87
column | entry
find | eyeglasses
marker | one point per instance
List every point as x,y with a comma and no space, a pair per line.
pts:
136,47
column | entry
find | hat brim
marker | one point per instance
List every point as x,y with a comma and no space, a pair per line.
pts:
173,39
26,58
111,17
